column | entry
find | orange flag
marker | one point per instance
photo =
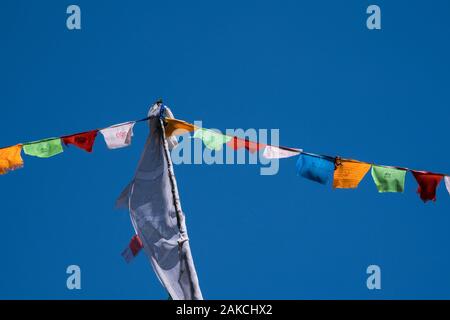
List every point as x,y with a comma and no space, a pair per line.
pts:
348,174
10,158
177,127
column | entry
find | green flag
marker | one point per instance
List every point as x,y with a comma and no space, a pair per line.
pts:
211,139
43,148
388,179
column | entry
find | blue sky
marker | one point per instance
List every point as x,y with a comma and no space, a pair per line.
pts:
311,69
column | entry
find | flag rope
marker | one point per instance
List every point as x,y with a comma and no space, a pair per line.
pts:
332,158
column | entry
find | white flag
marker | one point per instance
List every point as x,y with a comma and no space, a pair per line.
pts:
119,135
271,152
447,183
151,198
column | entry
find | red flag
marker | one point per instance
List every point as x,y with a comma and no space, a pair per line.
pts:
83,140
251,146
133,248
428,183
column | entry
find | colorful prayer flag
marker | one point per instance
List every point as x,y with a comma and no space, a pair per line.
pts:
428,183
447,183
348,174
134,247
272,152
43,148
211,139
119,135
388,179
83,140
177,127
251,146
10,159
315,168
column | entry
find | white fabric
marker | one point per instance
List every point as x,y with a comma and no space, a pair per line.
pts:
447,183
119,135
151,197
272,152
172,140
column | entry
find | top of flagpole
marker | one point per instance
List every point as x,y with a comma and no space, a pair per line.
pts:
152,107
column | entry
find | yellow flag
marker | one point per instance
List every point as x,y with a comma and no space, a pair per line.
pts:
177,127
10,158
348,174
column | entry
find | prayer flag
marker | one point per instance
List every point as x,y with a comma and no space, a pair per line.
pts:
315,168
272,152
43,148
388,179
211,139
10,159
349,174
119,135
177,127
251,146
171,126
83,140
134,247
153,202
447,183
428,183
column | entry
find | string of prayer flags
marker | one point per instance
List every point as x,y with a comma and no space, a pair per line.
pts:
119,135
348,174
133,248
43,148
447,183
10,158
388,179
272,152
428,183
83,140
212,140
237,143
316,168
177,127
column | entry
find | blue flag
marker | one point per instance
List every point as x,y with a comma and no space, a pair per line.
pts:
318,169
